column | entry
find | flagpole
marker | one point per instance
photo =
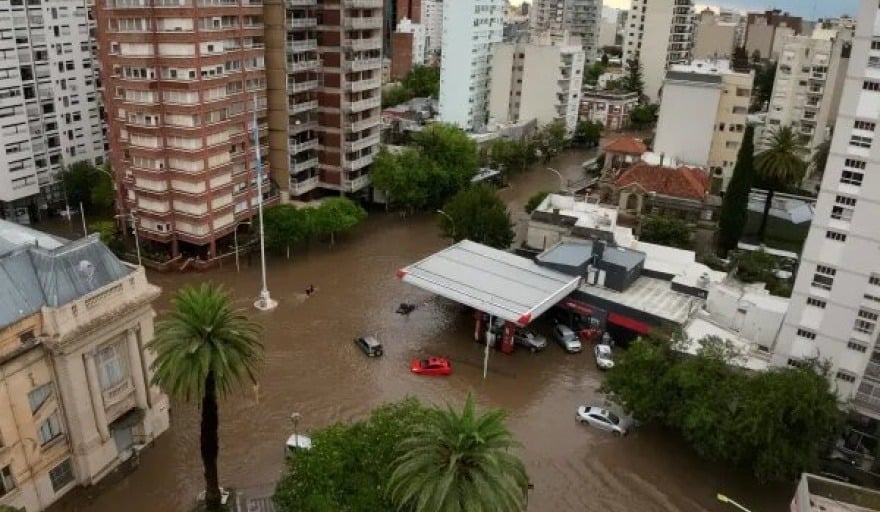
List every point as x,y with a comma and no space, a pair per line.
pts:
265,302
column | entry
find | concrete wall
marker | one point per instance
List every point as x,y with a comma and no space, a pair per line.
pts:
503,90
712,40
760,37
687,121
655,41
732,111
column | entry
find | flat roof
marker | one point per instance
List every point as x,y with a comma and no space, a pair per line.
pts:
650,295
623,257
570,253
699,328
491,280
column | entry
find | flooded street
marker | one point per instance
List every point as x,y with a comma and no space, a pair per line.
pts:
313,368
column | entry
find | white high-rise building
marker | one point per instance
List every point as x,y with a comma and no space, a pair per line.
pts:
49,106
835,306
580,18
432,21
658,33
470,28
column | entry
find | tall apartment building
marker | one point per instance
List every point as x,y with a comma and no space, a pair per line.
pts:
713,38
432,20
807,89
835,305
658,33
580,18
76,400
470,28
703,115
180,77
49,104
765,29
538,80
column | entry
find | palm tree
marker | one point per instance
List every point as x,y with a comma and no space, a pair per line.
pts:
459,462
779,166
205,348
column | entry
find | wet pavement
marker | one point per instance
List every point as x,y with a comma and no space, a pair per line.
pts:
313,368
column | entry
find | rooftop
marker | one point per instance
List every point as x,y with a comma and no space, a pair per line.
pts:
627,145
590,215
704,67
651,295
14,235
681,182
701,326
831,496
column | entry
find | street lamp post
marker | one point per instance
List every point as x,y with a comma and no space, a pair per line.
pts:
451,222
559,174
265,302
235,242
134,227
294,417
724,499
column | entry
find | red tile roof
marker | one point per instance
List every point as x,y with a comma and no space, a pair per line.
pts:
628,145
683,182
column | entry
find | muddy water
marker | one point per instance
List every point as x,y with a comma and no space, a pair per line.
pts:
313,368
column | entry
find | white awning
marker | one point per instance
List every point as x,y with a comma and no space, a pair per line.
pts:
490,280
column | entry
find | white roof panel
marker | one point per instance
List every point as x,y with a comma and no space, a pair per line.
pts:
491,280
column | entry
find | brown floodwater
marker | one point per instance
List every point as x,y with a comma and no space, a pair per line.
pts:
313,368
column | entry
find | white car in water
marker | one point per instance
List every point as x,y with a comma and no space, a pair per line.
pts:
604,359
603,419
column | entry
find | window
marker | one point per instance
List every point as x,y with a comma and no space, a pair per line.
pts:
834,235
858,346
7,485
854,163
49,429
860,142
845,376
851,178
797,363
803,333
38,396
871,298
843,208
818,303
111,366
866,321
864,125
824,277
875,44
874,279
61,475
869,85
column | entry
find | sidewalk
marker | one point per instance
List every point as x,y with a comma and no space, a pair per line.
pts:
255,499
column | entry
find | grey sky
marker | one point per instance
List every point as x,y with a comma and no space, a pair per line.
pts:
810,9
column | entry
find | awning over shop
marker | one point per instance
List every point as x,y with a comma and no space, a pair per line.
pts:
497,282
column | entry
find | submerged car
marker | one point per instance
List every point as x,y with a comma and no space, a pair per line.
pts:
431,366
603,419
530,340
369,345
567,339
604,359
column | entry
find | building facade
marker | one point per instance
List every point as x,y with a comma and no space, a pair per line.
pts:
761,28
408,48
658,33
713,39
521,77
180,78
49,102
470,28
76,400
714,101
581,18
610,108
835,305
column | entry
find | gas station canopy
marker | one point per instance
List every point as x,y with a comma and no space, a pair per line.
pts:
496,282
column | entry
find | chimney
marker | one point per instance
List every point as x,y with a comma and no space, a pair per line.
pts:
598,251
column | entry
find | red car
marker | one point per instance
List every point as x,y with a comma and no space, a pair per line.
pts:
431,366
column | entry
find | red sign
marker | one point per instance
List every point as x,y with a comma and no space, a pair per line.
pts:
577,307
629,323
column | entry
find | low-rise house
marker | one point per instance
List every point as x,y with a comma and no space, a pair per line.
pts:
610,108
76,400
815,493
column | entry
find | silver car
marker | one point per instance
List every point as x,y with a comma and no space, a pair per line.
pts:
567,338
530,340
603,419
604,359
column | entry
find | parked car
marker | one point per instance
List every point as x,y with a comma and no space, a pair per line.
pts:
530,340
431,366
604,359
567,339
369,345
603,419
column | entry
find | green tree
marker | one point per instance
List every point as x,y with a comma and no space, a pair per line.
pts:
395,95
819,159
779,166
459,462
454,158
79,180
633,80
106,229
740,61
479,215
593,72
205,349
509,155
551,140
665,231
605,60
102,191
762,89
337,215
349,465
404,176
536,200
286,225
422,81
588,133
756,57
734,205
643,116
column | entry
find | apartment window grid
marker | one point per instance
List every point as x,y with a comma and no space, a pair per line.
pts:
824,277
872,298
858,124
836,236
874,280
866,321
857,346
870,85
851,178
818,303
860,141
845,376
843,208
806,334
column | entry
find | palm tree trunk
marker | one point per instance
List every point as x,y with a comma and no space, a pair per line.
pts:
210,444
767,203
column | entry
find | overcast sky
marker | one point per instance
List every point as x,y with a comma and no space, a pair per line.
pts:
810,9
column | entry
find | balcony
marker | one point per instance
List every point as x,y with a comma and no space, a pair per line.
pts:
362,143
296,167
302,127
363,4
302,106
302,22
358,164
303,65
301,3
299,147
353,185
366,43
298,188
366,104
303,45
363,84
364,124
867,402
369,23
294,86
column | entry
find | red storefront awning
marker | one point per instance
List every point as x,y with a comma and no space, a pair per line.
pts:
629,323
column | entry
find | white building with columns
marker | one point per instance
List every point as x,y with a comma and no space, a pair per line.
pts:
76,400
